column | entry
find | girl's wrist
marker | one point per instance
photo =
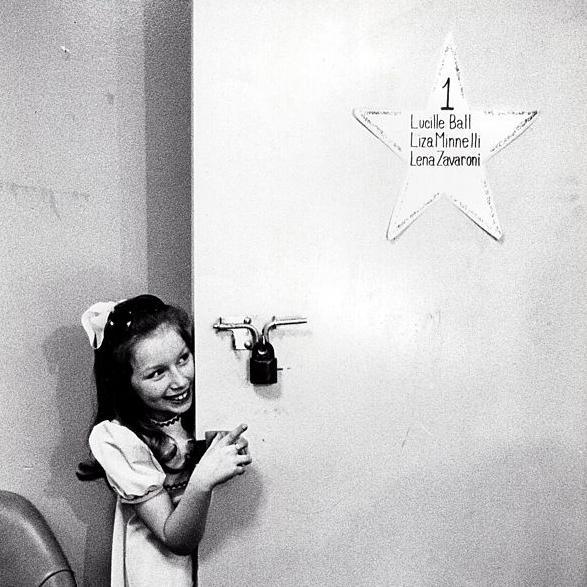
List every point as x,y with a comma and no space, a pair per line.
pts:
200,484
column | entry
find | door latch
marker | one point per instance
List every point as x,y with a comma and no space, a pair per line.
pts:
262,364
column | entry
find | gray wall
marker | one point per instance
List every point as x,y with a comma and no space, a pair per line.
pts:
94,204
167,34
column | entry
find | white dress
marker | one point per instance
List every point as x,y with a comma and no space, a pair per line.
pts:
139,559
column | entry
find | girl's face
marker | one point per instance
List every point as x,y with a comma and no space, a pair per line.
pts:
163,373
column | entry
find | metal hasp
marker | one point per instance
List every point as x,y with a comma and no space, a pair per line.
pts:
240,340
263,364
281,322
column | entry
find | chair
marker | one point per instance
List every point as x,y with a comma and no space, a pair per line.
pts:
30,555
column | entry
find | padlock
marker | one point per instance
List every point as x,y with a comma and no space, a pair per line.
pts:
263,364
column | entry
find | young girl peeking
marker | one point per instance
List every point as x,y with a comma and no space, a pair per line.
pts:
143,440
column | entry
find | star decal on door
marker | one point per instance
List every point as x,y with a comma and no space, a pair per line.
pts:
446,147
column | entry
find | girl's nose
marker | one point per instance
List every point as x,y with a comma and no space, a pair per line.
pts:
178,379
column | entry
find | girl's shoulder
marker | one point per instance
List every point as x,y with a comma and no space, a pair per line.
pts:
131,468
112,432
112,442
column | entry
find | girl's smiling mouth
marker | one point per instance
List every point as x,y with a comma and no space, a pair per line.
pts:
181,397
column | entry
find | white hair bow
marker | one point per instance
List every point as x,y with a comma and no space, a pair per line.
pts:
94,321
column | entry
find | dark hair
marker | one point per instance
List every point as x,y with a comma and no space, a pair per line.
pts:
129,322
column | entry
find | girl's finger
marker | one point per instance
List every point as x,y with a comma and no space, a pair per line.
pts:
245,459
233,435
244,446
211,435
242,450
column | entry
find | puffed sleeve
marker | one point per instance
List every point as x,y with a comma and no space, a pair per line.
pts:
131,468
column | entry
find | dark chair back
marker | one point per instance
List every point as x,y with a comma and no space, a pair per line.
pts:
30,555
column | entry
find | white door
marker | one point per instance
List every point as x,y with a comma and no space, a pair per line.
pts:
426,426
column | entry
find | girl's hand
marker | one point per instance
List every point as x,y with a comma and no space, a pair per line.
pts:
226,457
210,435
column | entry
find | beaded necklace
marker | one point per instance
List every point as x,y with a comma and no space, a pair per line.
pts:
169,422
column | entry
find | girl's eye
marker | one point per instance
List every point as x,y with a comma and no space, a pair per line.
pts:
184,358
154,374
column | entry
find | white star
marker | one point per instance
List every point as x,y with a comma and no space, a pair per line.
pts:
446,146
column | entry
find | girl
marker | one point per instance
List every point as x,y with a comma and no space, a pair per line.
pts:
143,440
